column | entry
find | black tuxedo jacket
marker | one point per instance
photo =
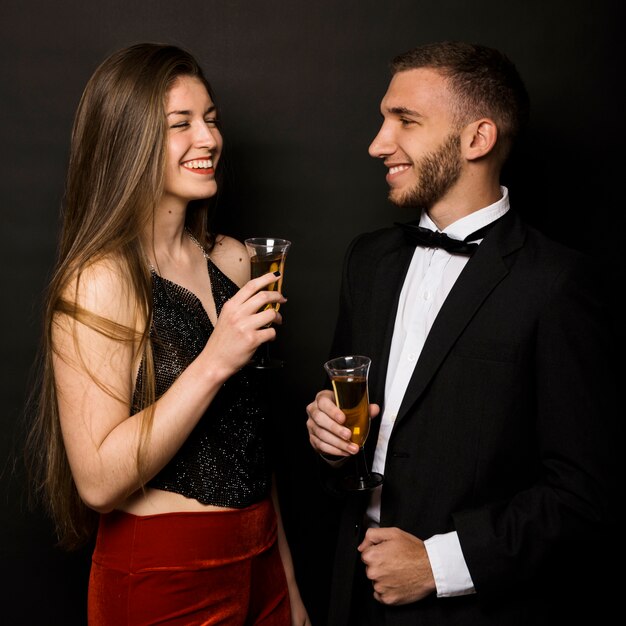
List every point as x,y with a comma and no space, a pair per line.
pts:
505,432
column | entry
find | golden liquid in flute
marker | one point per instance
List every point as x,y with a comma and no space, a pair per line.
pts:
262,264
352,398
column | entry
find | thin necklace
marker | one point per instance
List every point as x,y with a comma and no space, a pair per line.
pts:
166,283
194,240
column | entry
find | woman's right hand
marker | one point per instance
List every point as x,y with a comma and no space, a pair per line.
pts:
244,324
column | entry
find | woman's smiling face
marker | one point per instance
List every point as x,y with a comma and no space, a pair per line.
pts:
194,142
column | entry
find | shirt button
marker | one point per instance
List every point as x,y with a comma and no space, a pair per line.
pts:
410,356
426,295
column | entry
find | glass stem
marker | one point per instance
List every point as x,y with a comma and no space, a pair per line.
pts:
361,464
264,353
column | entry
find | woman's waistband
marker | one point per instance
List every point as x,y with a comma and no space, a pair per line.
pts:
194,539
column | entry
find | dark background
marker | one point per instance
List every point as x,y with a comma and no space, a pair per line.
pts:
299,85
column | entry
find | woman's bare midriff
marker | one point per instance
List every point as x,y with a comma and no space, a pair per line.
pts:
155,501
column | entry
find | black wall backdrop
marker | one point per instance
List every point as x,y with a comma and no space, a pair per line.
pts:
299,85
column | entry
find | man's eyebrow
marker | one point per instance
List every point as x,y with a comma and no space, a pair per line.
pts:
211,109
404,111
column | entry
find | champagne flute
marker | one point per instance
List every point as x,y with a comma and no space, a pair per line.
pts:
349,375
267,254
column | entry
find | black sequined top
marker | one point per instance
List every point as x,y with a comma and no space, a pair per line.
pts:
224,460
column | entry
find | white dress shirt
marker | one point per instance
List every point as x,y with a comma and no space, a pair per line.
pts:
429,279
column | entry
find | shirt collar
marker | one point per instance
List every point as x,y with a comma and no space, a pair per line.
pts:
470,223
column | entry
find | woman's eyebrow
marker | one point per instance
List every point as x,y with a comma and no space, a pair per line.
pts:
211,109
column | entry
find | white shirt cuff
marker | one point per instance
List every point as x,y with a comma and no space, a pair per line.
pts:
452,577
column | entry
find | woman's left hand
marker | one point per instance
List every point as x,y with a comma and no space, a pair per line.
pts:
299,615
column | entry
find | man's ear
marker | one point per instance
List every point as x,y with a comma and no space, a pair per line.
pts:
479,138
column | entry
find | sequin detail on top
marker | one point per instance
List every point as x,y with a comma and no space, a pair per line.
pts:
223,461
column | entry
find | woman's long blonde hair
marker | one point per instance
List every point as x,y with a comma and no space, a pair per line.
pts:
114,182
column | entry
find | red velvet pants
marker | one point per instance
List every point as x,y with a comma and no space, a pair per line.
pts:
189,569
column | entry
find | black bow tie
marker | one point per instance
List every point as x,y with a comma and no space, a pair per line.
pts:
419,236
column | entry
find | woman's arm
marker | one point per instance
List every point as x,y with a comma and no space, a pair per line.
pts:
299,615
94,375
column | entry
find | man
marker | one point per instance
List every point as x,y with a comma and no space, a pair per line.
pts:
490,362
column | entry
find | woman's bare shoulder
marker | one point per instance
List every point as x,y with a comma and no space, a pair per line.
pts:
103,288
231,256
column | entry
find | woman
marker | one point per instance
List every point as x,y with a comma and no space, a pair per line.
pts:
149,425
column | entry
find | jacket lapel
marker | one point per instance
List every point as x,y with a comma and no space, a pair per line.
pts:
386,288
479,277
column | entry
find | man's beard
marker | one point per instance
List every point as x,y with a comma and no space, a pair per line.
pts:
436,172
